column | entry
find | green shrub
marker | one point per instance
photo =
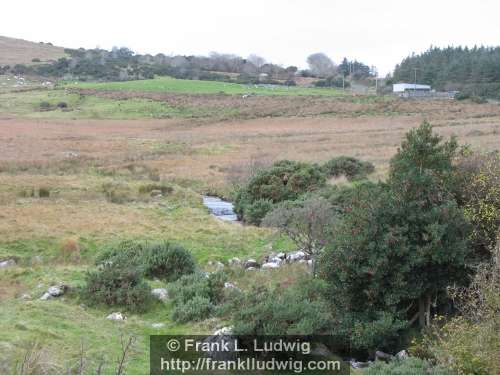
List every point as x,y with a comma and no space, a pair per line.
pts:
351,168
410,366
462,95
284,180
196,309
298,310
256,211
382,331
195,296
117,192
114,285
478,99
168,261
43,192
165,189
126,254
45,106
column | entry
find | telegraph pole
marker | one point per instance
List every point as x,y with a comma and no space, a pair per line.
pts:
415,87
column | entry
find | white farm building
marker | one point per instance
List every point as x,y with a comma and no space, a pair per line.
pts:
400,88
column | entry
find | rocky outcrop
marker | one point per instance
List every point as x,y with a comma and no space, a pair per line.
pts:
116,316
54,291
160,293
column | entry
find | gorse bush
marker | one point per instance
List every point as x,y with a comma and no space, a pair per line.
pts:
164,260
297,310
126,253
196,296
349,167
168,261
115,285
284,180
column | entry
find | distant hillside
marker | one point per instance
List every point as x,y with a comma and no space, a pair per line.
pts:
18,51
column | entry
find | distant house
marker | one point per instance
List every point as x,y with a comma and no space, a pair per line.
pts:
410,89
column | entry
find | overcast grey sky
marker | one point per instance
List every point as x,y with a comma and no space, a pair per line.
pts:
378,33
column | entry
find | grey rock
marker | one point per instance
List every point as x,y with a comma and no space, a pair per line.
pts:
116,316
402,355
234,261
158,325
382,356
218,265
251,263
46,296
321,351
56,290
251,269
270,265
160,293
229,285
296,256
7,263
281,256
356,364
156,193
222,335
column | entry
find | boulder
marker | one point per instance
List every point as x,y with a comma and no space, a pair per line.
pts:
46,296
402,355
218,265
156,193
250,269
234,261
56,290
274,259
356,364
295,256
281,256
382,356
220,336
270,265
158,325
7,263
223,331
160,293
251,263
116,316
228,285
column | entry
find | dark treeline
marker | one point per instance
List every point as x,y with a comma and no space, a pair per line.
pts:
474,71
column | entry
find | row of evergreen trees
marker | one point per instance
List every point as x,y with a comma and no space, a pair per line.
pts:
472,70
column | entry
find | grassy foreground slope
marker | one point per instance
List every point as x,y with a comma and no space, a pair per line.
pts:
183,86
18,51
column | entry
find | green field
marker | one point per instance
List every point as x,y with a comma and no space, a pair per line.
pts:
183,86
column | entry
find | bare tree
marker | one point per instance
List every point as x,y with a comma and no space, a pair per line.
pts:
256,60
308,224
321,65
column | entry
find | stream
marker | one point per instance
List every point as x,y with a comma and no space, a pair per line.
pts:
220,208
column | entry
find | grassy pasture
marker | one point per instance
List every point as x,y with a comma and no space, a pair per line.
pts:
183,86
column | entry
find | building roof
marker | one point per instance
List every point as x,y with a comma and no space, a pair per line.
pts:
401,87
